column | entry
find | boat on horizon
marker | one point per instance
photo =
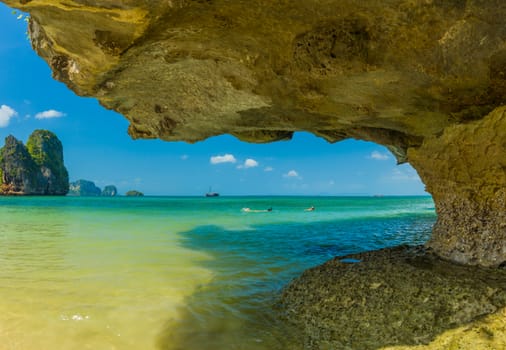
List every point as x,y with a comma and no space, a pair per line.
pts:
212,194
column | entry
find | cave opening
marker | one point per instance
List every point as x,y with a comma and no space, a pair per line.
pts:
424,78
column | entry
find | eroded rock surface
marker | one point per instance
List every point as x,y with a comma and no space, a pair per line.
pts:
468,183
401,296
416,76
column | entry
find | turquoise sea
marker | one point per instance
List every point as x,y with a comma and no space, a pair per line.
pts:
176,272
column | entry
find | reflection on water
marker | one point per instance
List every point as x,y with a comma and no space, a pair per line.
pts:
175,273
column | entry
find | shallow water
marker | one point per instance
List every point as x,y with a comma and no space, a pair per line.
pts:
176,272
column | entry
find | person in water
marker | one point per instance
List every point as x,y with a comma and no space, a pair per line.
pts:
311,208
248,210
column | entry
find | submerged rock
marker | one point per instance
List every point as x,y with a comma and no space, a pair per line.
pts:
36,169
397,296
109,191
84,188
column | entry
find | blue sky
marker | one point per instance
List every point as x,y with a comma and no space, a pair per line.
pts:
98,148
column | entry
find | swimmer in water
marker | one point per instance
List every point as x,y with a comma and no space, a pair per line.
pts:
248,210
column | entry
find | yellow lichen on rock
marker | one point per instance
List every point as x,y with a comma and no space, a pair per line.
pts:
488,333
102,33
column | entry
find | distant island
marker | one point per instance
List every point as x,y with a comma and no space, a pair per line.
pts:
86,188
134,193
109,191
34,169
38,169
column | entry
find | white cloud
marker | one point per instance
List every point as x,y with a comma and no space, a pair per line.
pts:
268,168
184,157
248,163
6,113
379,156
292,173
227,158
49,114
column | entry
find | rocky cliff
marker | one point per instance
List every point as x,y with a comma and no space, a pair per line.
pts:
425,78
36,169
47,152
19,172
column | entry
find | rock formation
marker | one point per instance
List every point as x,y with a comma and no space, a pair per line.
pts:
84,188
47,152
396,296
134,193
468,184
36,169
425,78
18,169
109,191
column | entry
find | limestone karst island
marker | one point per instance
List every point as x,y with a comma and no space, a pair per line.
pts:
426,79
34,169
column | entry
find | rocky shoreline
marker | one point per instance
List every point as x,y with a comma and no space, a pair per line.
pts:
402,297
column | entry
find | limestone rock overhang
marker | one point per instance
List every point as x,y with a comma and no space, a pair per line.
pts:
427,79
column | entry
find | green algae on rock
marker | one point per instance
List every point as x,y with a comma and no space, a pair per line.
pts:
396,296
35,169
